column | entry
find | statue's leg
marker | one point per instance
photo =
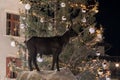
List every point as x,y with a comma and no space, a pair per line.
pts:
35,63
57,62
53,61
30,63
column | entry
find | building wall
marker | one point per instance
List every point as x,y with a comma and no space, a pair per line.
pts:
11,6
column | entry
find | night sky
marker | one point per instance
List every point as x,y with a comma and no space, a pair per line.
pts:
109,17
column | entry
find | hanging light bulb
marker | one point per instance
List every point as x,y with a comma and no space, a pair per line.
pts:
42,19
92,30
64,18
39,59
98,53
100,71
23,18
83,11
63,4
83,20
27,6
104,65
13,44
22,26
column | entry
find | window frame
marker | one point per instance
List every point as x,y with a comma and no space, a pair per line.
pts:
12,24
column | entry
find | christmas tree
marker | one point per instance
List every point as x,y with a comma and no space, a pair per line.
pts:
47,18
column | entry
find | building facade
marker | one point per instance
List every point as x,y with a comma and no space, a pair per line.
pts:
7,7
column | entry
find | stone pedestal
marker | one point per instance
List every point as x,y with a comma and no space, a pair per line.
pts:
63,74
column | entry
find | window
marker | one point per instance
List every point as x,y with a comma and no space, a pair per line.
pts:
12,24
11,66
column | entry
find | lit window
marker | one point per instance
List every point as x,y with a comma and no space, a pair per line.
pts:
12,24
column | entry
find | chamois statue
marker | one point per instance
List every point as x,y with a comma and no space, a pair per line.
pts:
48,46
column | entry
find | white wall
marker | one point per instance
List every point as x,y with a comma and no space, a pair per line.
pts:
11,6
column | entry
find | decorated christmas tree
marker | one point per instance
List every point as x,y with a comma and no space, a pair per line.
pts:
47,18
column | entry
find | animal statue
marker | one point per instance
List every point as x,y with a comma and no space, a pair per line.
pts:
47,46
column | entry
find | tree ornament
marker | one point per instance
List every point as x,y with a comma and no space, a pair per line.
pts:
22,26
64,18
63,4
100,71
27,6
13,44
98,53
104,64
92,30
23,18
83,11
42,19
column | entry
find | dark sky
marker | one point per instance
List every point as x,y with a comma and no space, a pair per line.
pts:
109,17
